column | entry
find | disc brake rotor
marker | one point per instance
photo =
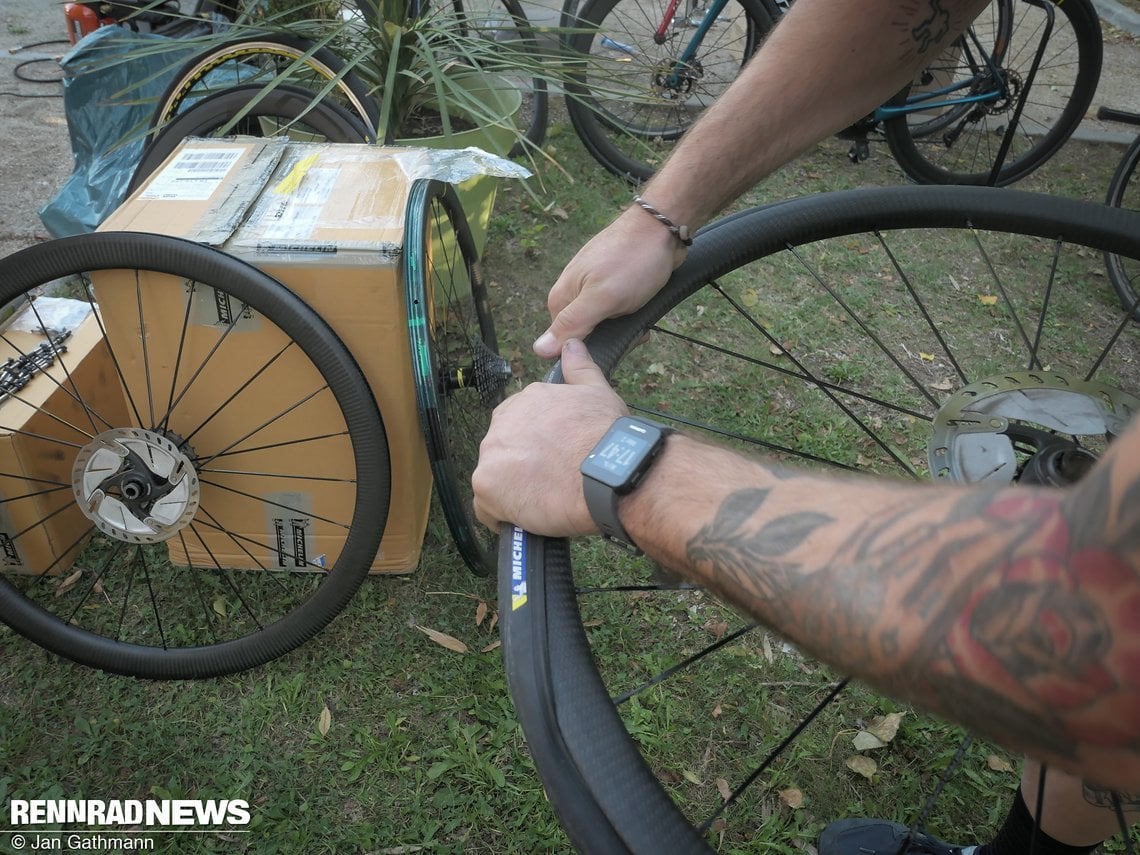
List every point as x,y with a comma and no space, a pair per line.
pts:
135,485
986,429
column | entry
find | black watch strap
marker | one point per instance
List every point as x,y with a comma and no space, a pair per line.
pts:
602,500
615,467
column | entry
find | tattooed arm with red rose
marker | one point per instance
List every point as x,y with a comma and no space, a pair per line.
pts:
1015,611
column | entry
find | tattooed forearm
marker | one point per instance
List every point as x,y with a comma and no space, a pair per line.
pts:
1012,612
1100,797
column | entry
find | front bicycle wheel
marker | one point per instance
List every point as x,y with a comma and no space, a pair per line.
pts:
458,372
195,475
641,78
269,60
965,144
865,330
1124,192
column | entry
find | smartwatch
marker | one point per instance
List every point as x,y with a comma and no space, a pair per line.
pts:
615,467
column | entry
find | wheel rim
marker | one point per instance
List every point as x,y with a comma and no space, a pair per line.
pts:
180,518
878,393
458,372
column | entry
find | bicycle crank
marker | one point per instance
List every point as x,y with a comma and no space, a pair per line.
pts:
1033,427
136,485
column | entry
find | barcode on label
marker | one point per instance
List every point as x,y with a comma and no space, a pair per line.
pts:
192,174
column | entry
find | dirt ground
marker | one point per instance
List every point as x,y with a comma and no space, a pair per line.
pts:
35,153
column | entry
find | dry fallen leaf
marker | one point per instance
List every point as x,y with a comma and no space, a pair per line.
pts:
717,711
324,722
492,646
865,741
792,797
219,606
863,765
998,764
443,639
987,299
691,777
750,297
723,788
68,583
480,613
926,357
885,726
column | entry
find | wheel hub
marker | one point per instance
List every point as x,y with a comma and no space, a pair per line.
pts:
1027,427
488,374
135,485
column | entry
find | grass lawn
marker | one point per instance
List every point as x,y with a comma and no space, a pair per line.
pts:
373,739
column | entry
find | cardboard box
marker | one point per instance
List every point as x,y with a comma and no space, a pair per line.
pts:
326,220
40,523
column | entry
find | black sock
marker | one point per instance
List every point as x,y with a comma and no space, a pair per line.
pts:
1017,837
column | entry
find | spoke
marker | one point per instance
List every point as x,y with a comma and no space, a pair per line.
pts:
262,567
114,358
190,286
874,437
145,350
52,439
1045,299
788,372
72,393
776,752
282,444
1001,290
685,663
237,391
871,334
269,547
141,558
247,473
119,546
227,577
937,333
207,461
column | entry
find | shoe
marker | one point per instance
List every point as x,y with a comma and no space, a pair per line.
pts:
879,837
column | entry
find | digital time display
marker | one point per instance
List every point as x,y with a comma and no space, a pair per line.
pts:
619,452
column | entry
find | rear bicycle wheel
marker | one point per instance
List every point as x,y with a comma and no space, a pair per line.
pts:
458,373
251,111
629,96
967,148
848,331
1124,192
270,60
197,481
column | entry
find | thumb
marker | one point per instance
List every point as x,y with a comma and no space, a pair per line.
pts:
578,367
571,322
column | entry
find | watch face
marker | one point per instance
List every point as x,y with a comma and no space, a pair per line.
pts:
620,454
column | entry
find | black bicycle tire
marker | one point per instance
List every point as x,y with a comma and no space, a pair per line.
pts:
1089,42
552,675
450,484
589,122
203,118
321,60
116,250
1127,172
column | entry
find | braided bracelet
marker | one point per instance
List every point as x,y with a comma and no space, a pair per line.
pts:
680,232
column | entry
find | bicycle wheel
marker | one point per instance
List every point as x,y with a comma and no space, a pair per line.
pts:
458,373
1124,192
851,331
967,149
197,481
270,60
632,94
952,78
251,111
512,43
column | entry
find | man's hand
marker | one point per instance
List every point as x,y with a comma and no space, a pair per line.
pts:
528,472
615,273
